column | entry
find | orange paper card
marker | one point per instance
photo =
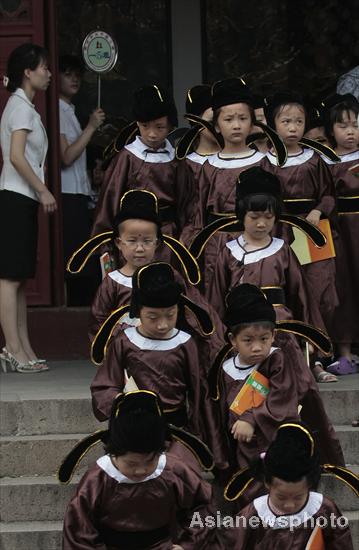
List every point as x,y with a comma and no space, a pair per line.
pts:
305,249
316,541
252,394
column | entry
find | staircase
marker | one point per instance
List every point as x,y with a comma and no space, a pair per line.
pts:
43,416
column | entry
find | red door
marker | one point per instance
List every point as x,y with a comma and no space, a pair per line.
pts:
24,21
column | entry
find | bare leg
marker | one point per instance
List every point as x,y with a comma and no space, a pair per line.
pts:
345,351
9,318
22,323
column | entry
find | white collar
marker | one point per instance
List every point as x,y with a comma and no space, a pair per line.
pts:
354,155
294,160
142,151
120,278
179,337
239,371
20,93
312,506
105,463
198,159
240,162
236,247
67,106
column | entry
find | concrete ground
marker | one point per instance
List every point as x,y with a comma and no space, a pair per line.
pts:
72,379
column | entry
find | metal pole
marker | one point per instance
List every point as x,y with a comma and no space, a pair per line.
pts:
98,91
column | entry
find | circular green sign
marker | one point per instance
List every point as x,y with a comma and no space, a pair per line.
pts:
99,51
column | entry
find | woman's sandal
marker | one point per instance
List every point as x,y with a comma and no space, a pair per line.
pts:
24,368
324,377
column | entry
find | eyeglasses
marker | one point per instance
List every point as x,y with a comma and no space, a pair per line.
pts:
147,243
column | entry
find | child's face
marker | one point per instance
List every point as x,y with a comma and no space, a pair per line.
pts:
136,466
158,323
288,497
154,132
70,82
258,225
290,124
234,123
346,133
137,242
318,134
252,343
260,116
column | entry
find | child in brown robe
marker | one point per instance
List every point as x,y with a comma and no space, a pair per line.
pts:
159,357
137,496
342,129
149,163
285,381
307,191
137,234
291,513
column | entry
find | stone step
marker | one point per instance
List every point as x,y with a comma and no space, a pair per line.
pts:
31,535
349,440
38,535
40,455
25,454
47,416
340,399
68,415
17,496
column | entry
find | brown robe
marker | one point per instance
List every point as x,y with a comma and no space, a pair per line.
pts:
306,176
263,537
272,266
105,507
291,384
135,168
170,368
217,187
345,327
115,291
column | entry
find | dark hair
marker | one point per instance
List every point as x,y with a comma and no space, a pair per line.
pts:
217,112
266,325
26,56
279,108
336,115
258,203
136,431
69,62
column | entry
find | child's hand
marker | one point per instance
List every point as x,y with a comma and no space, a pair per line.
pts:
314,217
242,431
176,547
97,117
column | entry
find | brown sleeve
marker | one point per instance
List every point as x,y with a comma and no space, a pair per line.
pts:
336,538
80,532
109,379
102,306
326,189
114,185
193,502
281,402
220,283
298,296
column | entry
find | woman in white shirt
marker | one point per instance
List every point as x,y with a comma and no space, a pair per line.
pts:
22,188
75,185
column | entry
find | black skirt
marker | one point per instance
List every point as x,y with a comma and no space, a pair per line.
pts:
18,236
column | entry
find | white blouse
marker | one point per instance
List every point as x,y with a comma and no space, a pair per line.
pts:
20,114
74,178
